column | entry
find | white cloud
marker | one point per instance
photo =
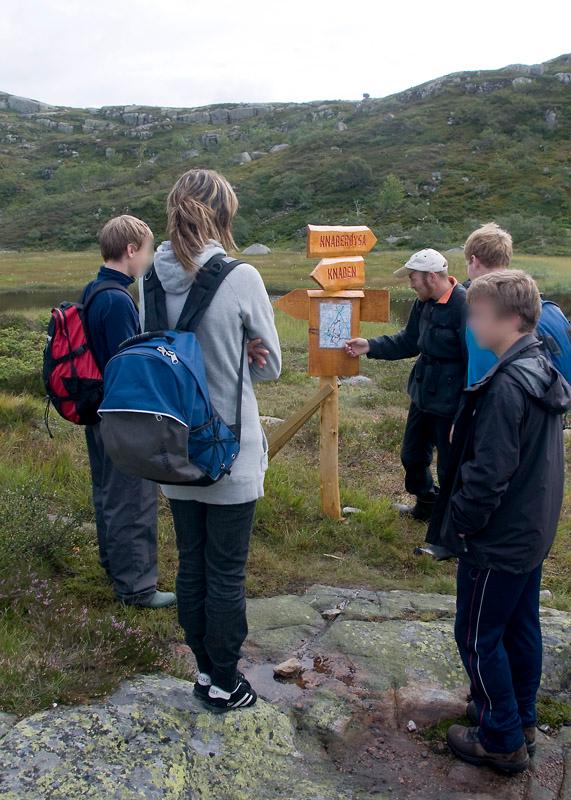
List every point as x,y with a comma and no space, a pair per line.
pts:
190,53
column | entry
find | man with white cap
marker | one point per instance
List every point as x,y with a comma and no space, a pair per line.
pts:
436,332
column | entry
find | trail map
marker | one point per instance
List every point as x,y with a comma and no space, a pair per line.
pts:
334,324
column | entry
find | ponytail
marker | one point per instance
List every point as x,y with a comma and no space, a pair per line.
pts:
201,206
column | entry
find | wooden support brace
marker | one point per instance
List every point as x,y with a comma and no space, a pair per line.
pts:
289,427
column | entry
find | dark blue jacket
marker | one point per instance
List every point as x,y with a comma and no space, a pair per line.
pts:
504,483
436,330
112,317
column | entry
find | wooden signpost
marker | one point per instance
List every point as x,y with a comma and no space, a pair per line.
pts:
334,313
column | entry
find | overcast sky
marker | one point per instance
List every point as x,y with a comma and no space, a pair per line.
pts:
194,52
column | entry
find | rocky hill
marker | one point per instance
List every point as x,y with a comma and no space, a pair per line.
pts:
423,166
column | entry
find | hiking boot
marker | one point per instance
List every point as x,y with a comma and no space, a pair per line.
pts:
436,551
156,600
465,744
219,701
421,510
202,685
529,733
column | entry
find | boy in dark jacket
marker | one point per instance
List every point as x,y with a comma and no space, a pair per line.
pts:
498,511
435,332
125,506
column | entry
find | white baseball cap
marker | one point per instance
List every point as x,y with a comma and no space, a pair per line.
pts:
428,260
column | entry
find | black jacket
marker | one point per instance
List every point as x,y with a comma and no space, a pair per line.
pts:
504,486
436,331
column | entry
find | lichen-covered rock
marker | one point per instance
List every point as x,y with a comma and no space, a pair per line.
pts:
393,653
281,625
152,740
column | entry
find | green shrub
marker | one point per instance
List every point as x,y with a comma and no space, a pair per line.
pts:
27,533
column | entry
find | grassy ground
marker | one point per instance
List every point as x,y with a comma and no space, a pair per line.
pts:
62,637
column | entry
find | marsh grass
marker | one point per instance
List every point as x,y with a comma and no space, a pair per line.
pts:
30,271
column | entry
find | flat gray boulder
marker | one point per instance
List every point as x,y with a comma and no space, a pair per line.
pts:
256,249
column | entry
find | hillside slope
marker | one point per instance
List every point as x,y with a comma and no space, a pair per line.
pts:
422,167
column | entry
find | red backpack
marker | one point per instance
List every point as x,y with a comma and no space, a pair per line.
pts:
72,376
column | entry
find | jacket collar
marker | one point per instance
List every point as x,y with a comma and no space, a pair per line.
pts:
109,274
527,342
448,293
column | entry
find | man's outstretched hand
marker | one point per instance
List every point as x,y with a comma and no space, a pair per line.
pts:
356,347
257,352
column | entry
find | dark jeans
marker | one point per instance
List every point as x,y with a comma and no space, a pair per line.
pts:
499,638
126,520
422,434
213,542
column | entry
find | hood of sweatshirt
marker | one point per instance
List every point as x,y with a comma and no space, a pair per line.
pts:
175,279
540,379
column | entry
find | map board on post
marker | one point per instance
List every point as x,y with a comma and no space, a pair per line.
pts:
333,318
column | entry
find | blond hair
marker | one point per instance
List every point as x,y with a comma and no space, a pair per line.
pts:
512,292
119,232
201,206
490,244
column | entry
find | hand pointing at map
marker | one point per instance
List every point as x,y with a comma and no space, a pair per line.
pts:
356,347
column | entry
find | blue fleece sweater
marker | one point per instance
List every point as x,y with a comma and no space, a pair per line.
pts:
112,317
480,361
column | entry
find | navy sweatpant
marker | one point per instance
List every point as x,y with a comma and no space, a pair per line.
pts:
499,639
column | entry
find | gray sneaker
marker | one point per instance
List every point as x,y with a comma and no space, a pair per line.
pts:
156,600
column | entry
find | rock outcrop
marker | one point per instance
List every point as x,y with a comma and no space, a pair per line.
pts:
369,672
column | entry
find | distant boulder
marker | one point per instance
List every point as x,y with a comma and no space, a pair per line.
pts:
522,82
551,118
277,148
257,154
563,77
210,140
241,112
23,105
242,158
256,249
341,126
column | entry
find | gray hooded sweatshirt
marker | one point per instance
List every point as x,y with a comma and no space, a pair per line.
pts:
241,303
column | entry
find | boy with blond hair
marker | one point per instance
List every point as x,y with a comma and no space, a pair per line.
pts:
125,506
498,512
490,248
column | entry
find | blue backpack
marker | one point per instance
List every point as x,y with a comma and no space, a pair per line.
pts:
157,420
554,331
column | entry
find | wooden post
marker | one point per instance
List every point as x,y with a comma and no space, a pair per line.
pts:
329,450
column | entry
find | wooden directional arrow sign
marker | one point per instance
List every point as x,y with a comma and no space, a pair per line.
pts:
339,240
295,303
335,274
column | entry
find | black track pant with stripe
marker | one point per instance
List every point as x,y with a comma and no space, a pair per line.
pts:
498,634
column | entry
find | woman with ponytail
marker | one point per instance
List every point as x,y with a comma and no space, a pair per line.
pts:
213,523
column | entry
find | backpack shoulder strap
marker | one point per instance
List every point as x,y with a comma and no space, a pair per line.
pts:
202,291
102,287
155,302
206,284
